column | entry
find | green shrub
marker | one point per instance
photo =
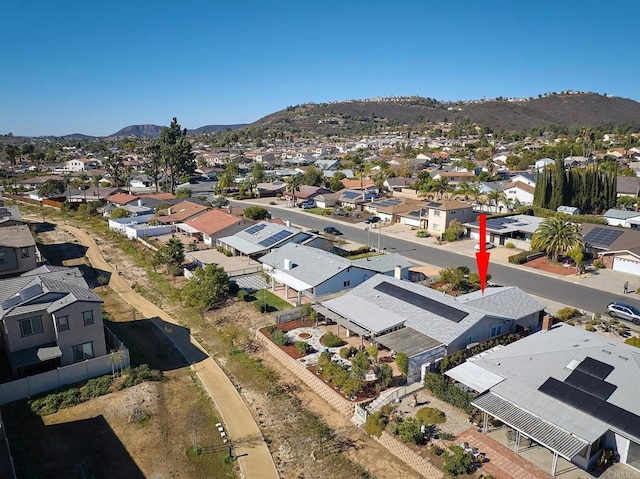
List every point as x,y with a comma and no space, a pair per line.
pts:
279,338
445,390
345,353
598,263
96,387
566,313
429,415
375,424
509,245
330,340
422,234
402,361
458,461
634,341
409,431
302,347
271,328
523,256
590,328
437,450
446,436
272,203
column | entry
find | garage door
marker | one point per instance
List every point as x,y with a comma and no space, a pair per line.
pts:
626,266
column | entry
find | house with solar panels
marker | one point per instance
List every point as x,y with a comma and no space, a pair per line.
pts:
618,248
572,392
428,325
257,240
50,318
312,272
507,228
354,198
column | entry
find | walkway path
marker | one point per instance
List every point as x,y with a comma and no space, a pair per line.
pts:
254,458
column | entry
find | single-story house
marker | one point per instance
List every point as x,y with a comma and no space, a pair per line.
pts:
568,390
425,324
501,230
624,218
216,224
568,210
398,184
267,190
619,248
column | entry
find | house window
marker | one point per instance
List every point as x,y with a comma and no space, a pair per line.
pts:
346,283
62,323
87,316
436,227
83,351
31,326
496,330
3,257
436,212
24,252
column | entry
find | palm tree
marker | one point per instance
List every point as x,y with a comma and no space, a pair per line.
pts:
293,185
441,186
466,190
496,196
11,151
556,236
83,177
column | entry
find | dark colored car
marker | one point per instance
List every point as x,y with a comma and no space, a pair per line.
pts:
372,219
332,231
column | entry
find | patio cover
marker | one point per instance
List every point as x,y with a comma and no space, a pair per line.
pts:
327,313
477,378
26,357
408,341
550,436
289,280
187,228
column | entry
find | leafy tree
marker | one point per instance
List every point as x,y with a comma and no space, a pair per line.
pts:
153,166
175,150
359,365
373,351
116,169
183,192
51,188
208,288
555,236
219,202
375,424
12,151
257,173
335,184
171,255
384,375
454,231
409,431
119,213
313,176
496,197
402,361
256,213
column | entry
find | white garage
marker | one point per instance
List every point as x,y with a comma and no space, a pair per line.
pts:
627,263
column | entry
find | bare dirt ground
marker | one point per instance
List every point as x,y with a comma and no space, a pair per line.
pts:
290,452
544,264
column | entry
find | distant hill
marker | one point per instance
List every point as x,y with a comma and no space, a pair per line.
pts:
154,130
139,130
78,136
568,109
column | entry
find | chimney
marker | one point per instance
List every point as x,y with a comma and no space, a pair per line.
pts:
169,210
287,223
397,272
547,322
288,264
139,201
229,209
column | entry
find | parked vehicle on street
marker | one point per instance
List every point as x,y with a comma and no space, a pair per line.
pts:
372,219
624,311
332,231
306,205
489,246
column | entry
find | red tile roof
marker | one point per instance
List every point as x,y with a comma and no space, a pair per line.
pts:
216,220
121,198
355,184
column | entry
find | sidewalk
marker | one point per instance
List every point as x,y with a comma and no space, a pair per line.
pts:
250,449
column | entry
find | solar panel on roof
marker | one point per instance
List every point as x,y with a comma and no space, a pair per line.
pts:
273,239
255,228
422,302
602,236
350,195
594,368
590,384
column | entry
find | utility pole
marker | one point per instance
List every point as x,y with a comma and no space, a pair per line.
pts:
379,233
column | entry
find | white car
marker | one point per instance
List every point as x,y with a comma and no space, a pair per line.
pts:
489,246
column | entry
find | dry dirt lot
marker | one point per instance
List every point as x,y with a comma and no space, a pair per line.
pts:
282,417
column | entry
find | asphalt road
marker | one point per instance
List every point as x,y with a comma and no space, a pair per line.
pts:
561,291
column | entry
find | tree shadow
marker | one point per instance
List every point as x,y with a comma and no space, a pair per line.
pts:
57,253
180,336
84,448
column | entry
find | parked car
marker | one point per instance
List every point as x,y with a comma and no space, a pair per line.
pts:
332,231
489,246
307,205
624,311
372,219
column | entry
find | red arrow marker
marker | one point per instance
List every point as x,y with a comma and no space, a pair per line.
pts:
482,257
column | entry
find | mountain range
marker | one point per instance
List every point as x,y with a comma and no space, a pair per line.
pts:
566,109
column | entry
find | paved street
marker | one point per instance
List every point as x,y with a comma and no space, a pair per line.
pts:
591,292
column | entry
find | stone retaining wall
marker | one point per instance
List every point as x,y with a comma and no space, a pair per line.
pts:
410,457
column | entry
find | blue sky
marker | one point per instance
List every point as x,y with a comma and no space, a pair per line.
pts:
96,66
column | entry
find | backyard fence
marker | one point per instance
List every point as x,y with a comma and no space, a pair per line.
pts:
7,468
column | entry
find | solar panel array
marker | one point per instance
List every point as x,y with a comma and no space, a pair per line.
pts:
350,195
422,302
500,223
273,239
586,391
599,236
389,202
255,228
24,295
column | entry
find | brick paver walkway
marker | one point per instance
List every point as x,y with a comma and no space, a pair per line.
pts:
503,462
